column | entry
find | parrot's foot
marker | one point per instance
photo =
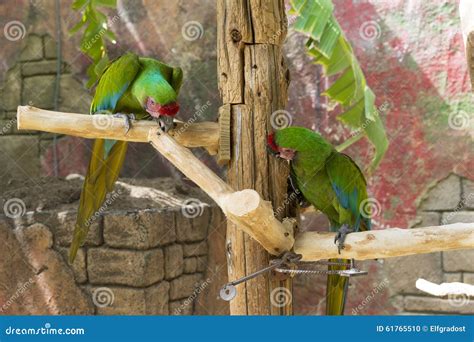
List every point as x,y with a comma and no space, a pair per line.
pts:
166,123
128,120
341,236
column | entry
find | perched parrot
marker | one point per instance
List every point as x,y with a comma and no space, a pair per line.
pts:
130,86
332,183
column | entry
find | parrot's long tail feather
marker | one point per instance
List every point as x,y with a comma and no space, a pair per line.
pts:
103,171
336,289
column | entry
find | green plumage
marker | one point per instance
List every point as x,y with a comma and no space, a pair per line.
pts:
333,184
124,87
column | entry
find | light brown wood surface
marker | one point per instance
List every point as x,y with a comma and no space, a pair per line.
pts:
204,134
386,243
245,208
253,81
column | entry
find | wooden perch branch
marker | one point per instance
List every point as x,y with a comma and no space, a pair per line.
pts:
204,134
254,215
392,242
245,207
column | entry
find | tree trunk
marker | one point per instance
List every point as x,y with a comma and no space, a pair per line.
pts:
253,82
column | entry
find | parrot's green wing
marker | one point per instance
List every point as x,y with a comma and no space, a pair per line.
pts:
177,79
350,188
114,82
107,155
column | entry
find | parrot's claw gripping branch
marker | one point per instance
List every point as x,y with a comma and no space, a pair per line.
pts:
341,236
128,120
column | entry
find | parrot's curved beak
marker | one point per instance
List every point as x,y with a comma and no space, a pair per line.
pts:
272,152
287,153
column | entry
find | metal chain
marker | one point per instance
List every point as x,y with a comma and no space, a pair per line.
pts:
296,271
331,263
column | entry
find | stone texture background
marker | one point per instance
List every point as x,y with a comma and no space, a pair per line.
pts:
141,261
413,59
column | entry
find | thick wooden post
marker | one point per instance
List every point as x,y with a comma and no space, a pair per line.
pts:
253,82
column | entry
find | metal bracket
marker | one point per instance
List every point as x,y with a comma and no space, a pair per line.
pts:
224,151
229,291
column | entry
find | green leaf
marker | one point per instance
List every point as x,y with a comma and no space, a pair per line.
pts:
329,47
110,35
79,4
101,65
93,41
376,133
343,89
106,3
313,16
92,75
77,27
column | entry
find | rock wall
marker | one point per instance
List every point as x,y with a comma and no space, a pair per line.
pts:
32,80
449,201
144,262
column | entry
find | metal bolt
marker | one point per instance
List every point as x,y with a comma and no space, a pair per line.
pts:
236,35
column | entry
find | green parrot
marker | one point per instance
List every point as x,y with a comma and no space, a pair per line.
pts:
332,183
130,87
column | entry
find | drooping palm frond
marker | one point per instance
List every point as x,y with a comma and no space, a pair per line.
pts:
96,32
329,47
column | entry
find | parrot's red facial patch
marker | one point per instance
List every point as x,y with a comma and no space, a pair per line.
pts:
271,144
282,152
156,109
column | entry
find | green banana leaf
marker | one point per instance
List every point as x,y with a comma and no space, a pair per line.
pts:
95,34
328,47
